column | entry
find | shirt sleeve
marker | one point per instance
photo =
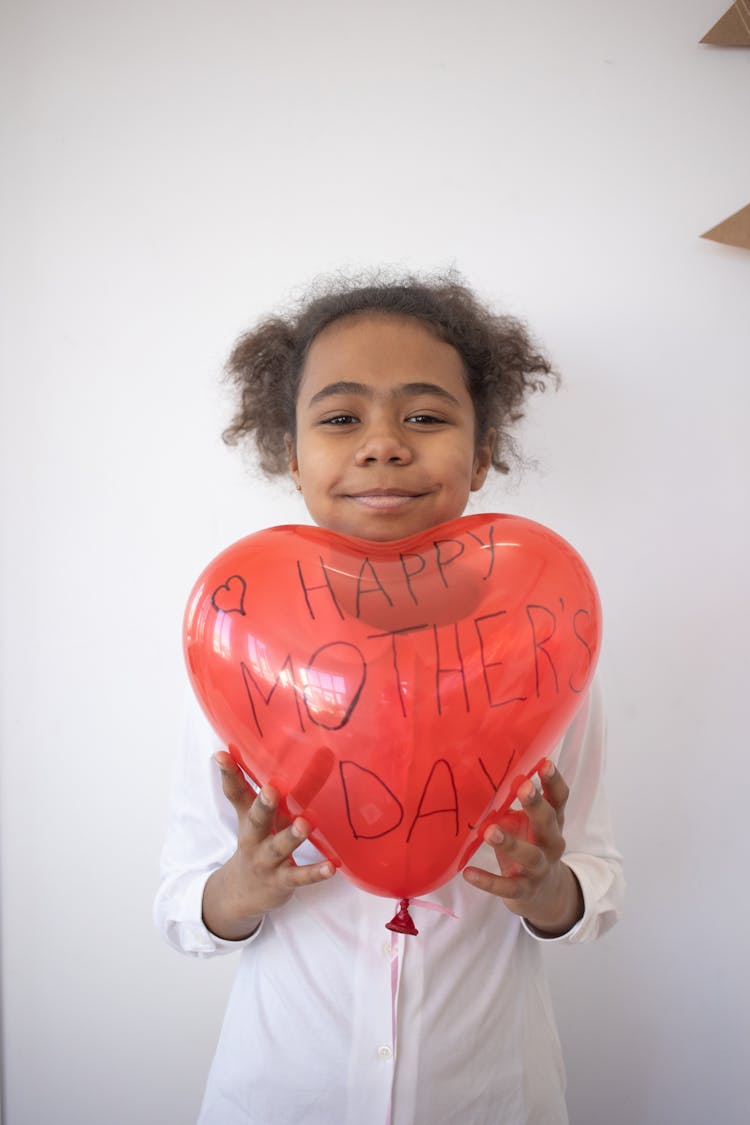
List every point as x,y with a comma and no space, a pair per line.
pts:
590,850
201,836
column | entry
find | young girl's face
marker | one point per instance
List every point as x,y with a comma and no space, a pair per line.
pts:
386,431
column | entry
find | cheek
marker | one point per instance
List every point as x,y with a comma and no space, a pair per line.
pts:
316,465
464,460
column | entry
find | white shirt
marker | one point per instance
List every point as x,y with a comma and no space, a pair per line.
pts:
309,1031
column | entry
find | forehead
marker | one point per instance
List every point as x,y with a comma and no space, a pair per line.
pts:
381,350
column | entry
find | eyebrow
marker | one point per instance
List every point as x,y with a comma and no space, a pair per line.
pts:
346,387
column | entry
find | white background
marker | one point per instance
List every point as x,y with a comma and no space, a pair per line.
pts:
171,172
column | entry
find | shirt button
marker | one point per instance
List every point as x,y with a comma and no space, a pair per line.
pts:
385,1053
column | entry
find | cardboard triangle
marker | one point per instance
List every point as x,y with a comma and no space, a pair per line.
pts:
733,29
734,231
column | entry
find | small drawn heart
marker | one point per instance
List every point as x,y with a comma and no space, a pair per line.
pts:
230,596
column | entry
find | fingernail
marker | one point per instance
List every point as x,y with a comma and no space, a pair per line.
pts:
326,870
495,836
529,794
549,771
296,831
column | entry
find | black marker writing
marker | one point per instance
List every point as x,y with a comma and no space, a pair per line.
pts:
377,585
489,544
251,683
325,585
444,559
487,665
326,688
445,670
393,634
368,791
448,777
539,644
230,597
581,613
409,574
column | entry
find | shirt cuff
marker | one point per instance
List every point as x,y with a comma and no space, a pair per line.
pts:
190,933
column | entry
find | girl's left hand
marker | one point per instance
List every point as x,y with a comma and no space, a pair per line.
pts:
533,882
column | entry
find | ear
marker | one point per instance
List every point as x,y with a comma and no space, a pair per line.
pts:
483,460
291,452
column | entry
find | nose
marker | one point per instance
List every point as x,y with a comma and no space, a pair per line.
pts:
383,444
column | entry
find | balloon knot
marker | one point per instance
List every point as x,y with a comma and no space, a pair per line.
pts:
401,922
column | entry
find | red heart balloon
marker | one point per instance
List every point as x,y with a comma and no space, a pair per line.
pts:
394,693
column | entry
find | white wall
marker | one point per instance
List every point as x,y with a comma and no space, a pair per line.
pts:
173,170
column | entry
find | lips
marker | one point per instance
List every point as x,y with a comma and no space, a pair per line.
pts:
385,499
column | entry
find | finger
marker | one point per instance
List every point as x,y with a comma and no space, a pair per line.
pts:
515,823
554,788
236,789
276,856
308,873
516,857
502,886
279,847
261,816
543,820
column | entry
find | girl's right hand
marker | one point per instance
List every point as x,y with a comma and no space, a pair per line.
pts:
261,874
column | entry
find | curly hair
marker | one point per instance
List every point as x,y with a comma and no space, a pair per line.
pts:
502,362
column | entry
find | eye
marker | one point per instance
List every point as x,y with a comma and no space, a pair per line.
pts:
424,418
341,419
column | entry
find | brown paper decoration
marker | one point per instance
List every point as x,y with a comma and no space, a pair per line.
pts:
734,231
733,29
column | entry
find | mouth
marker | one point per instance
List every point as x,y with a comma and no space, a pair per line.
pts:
385,499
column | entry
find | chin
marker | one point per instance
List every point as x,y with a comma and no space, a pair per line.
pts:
387,531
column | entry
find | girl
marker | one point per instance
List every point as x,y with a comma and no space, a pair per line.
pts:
388,404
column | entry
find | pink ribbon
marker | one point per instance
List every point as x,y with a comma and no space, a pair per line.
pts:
395,939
